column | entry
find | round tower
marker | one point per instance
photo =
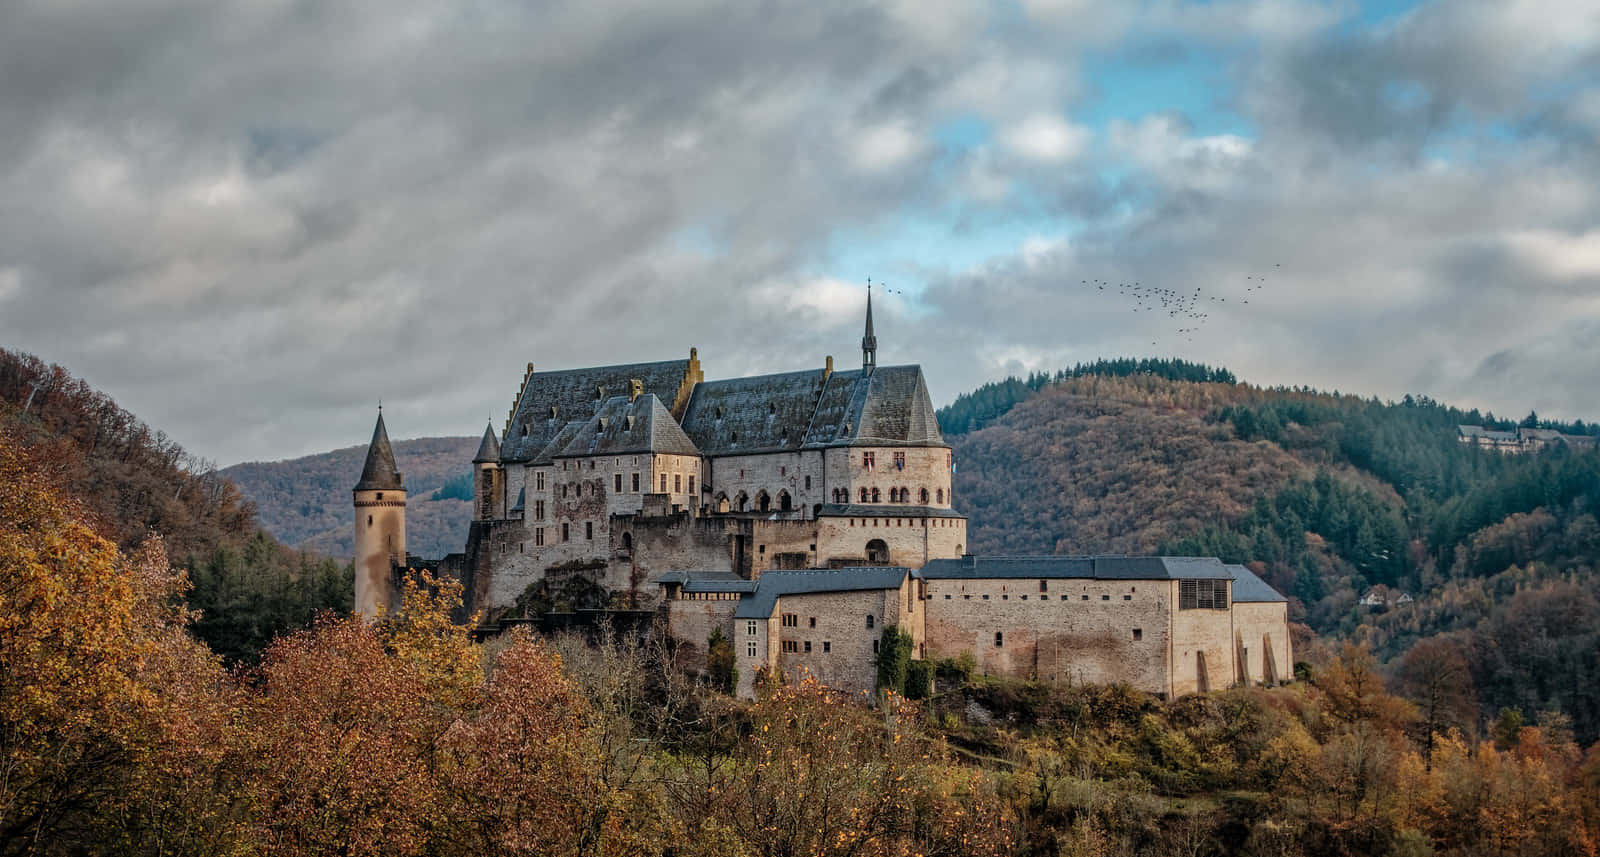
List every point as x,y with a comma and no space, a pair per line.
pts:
380,501
488,487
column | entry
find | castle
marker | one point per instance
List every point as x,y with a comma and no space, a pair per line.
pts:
800,514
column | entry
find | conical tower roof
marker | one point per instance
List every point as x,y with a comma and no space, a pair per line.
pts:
869,342
489,450
380,473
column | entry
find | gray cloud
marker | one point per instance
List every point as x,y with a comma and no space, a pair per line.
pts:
248,220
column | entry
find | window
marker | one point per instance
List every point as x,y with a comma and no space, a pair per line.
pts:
999,639
876,497
808,482
1105,598
538,510
826,647
691,483
565,534
922,496
791,620
663,483
1203,595
1044,586
808,647
899,461
563,489
750,648
677,483
940,496
791,646
864,495
874,647
870,621
1127,598
1138,634
618,487
380,495
588,530
750,628
538,536
812,622
869,460
538,481
369,520
635,483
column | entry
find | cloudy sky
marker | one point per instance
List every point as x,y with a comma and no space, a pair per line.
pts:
247,220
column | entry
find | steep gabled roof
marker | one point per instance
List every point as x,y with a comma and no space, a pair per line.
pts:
884,406
379,473
775,584
550,400
761,413
643,425
489,449
558,442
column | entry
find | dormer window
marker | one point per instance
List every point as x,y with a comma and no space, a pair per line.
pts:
719,413
628,423
599,393
772,408
553,412
603,422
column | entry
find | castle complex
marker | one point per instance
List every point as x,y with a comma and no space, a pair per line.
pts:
800,514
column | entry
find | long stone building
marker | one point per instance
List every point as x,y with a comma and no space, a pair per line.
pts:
824,490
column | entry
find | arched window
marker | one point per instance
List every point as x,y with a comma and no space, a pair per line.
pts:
940,494
763,502
876,497
922,496
785,504
905,494
864,495
741,503
627,542
870,620
722,502
878,552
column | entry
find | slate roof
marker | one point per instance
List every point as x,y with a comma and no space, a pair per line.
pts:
886,406
762,413
1249,588
557,443
489,449
775,584
621,427
379,473
893,510
1077,567
522,500
550,400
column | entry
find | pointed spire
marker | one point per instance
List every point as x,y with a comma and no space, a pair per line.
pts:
869,342
380,473
489,450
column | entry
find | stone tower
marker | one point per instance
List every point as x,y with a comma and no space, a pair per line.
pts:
380,501
488,484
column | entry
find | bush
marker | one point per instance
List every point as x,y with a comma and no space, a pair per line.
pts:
919,680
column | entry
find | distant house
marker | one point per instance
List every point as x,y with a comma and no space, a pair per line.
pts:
1383,596
1520,439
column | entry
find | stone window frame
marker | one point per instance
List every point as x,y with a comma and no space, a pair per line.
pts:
588,530
538,537
750,649
618,483
790,620
999,639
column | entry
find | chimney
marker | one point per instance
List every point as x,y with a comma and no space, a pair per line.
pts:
827,368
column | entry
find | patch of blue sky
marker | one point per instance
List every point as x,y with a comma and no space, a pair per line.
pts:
1380,11
1155,79
901,253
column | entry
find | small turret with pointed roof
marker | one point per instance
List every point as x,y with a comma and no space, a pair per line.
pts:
379,473
489,449
869,342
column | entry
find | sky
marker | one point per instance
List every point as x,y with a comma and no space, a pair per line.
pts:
249,220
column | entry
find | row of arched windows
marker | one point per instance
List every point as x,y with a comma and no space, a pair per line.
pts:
896,495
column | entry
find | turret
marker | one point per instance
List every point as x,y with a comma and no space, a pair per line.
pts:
488,481
869,342
380,503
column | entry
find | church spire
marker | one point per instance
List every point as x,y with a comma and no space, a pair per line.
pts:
869,342
379,472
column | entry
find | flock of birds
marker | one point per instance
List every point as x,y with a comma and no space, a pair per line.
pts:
1191,309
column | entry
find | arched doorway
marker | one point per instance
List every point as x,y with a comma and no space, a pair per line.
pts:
878,552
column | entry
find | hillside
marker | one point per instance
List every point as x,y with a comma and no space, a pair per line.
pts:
305,502
132,482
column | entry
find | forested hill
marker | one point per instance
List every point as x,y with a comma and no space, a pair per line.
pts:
1327,496
133,481
306,501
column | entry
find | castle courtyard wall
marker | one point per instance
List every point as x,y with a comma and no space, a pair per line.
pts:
1260,629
